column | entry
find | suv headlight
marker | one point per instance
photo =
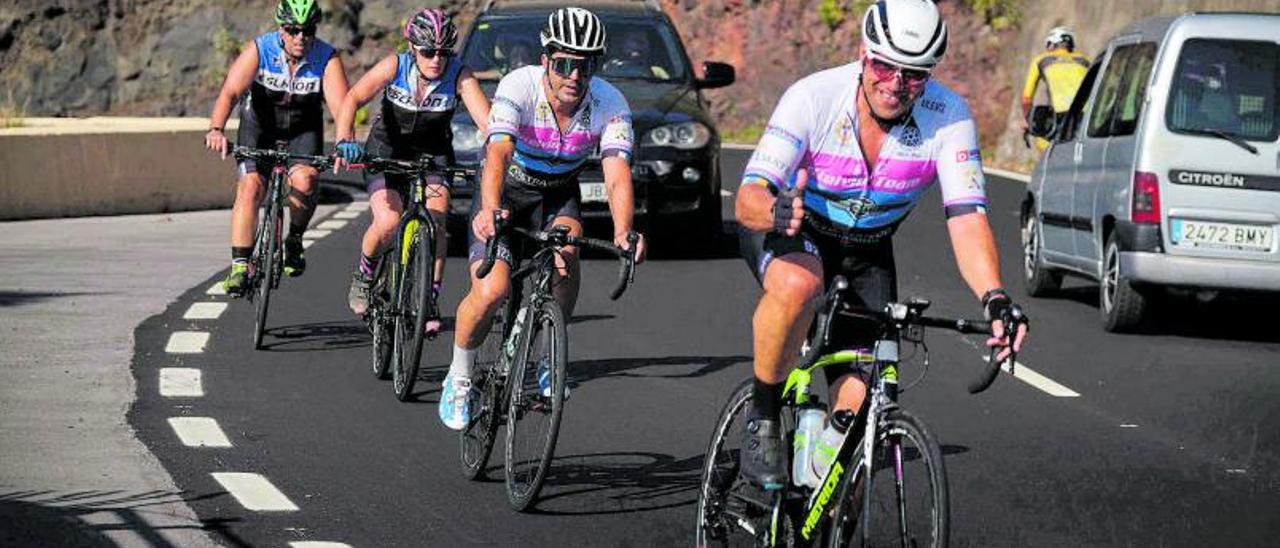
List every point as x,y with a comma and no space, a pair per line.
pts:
466,137
685,135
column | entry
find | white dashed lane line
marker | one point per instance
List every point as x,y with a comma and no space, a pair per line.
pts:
254,492
1041,382
216,289
205,311
331,225
317,544
180,382
348,214
186,342
199,432
316,233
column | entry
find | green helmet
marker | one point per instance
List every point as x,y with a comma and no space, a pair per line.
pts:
298,12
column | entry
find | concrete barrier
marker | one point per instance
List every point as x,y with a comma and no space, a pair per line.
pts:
54,167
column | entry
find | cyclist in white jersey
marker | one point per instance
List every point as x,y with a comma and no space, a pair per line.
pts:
545,121
847,154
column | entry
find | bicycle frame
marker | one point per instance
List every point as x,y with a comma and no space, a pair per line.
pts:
881,397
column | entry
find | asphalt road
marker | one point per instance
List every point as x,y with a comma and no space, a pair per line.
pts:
1168,440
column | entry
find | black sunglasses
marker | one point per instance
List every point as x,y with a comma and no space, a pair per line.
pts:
564,66
294,30
428,53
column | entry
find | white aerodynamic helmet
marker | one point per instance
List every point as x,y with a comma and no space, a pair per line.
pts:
1062,35
575,30
906,32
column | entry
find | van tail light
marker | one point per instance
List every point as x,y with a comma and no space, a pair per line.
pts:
1146,198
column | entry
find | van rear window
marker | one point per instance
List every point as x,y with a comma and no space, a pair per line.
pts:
1229,86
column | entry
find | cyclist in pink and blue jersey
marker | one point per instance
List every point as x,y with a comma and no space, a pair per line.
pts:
545,122
846,156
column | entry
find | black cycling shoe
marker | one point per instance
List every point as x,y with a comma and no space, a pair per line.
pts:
761,460
295,263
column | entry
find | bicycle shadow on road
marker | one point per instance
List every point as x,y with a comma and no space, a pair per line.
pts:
1182,315
319,336
618,483
98,518
23,298
583,371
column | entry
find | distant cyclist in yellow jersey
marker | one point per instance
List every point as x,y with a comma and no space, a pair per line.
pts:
1061,70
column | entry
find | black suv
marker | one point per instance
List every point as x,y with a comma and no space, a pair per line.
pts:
676,165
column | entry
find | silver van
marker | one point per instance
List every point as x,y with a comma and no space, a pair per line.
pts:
1165,173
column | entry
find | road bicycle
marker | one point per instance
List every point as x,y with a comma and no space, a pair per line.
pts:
884,487
401,299
527,340
266,264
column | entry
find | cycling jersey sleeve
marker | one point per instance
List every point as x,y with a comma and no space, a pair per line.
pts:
1033,76
785,140
616,137
504,114
960,166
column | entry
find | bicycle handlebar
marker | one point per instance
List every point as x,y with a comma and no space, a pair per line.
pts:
1012,321
910,313
426,163
560,237
280,156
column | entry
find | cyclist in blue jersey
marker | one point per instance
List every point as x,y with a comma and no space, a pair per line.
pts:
844,159
421,89
287,73
546,120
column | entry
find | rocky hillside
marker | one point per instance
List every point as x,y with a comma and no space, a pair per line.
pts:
167,57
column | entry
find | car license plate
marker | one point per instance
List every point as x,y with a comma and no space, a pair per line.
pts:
1221,235
594,192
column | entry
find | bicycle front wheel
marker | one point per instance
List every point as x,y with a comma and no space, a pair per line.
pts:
268,261
537,385
381,326
412,295
490,376
904,502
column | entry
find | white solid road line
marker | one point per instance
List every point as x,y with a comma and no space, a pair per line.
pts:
187,342
205,311
254,492
1020,177
346,215
1045,384
331,225
180,382
216,289
199,432
317,544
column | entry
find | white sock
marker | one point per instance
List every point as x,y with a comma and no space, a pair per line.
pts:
460,368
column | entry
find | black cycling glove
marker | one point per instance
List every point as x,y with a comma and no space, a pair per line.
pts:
784,209
997,305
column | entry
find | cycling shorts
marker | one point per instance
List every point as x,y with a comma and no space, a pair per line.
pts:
869,268
251,135
528,208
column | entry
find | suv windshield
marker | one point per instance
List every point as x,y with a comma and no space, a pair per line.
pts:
1227,86
637,49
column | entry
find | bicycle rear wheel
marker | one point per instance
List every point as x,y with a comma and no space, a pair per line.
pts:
533,415
411,297
490,381
381,326
905,501
268,261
